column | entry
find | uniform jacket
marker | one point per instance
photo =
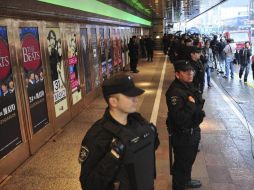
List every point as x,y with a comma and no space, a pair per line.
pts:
184,116
99,168
199,76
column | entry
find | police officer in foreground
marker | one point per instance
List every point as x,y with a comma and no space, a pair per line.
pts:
185,113
118,151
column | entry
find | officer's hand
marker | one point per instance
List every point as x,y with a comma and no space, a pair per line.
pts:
201,116
191,99
117,148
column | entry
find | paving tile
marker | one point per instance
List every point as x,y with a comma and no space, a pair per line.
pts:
223,186
219,174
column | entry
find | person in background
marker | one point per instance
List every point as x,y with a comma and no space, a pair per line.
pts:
118,151
229,51
133,53
244,58
11,86
207,59
221,56
195,61
142,47
252,66
4,89
165,42
149,48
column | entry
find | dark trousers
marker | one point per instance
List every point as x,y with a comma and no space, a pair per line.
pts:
184,158
149,55
246,69
133,63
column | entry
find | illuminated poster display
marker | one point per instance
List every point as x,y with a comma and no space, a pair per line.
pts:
31,61
95,57
103,54
73,67
85,59
115,62
118,49
57,70
109,47
123,48
10,135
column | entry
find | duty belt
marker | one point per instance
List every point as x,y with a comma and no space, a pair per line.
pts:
187,131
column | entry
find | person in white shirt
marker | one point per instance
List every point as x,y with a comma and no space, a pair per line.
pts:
229,51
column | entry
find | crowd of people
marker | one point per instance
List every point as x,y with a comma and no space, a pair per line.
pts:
216,53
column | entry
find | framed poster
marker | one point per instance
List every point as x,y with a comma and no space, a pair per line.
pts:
10,134
85,59
73,67
34,81
109,56
57,70
95,62
102,54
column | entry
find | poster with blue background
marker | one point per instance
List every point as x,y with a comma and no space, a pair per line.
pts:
10,135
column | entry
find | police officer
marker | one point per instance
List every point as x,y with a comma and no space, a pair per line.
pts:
118,151
185,113
198,66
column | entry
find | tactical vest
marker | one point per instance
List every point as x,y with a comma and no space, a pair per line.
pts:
138,166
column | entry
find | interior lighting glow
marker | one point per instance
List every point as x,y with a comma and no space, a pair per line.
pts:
97,7
158,37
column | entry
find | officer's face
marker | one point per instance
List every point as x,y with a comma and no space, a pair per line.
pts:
124,104
195,56
185,76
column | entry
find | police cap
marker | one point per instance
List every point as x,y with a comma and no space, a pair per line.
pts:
194,49
121,84
182,65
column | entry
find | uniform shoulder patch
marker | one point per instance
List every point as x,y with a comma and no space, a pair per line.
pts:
83,154
174,100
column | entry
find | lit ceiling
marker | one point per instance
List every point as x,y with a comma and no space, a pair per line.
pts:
184,10
178,10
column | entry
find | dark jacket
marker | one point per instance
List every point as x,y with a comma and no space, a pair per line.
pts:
99,168
133,49
244,55
199,76
184,116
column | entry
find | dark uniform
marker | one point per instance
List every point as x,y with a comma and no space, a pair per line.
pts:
133,53
183,122
198,66
135,170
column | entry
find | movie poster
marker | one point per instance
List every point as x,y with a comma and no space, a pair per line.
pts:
95,62
74,67
103,54
10,135
123,48
118,49
57,70
115,56
85,59
34,77
109,47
